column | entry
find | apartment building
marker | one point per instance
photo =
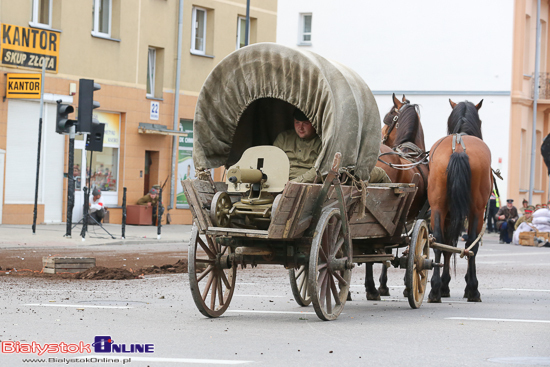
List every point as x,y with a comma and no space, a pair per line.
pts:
129,47
521,122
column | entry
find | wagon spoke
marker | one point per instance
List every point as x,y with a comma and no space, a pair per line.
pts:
419,283
321,266
204,261
206,248
338,246
322,254
220,293
224,250
341,280
204,273
335,232
323,287
224,279
322,275
213,295
303,281
301,271
303,290
335,291
207,287
327,294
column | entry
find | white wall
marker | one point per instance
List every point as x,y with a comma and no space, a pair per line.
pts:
431,50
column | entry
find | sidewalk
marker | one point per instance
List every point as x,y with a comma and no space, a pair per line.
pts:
50,235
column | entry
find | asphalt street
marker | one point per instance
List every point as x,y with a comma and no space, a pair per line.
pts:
264,326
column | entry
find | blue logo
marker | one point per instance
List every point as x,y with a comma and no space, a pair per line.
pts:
106,344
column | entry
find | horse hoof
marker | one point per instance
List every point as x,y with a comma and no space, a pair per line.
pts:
384,292
349,297
406,293
445,294
475,299
433,300
373,297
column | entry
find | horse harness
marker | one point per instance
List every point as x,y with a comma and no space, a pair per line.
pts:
394,123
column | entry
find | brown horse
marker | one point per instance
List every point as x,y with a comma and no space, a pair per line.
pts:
403,132
459,186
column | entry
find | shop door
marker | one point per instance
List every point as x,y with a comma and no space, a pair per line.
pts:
151,176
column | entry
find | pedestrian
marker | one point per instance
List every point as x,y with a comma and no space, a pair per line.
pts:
494,204
97,209
506,220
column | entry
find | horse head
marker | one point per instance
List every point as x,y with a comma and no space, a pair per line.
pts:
402,124
464,119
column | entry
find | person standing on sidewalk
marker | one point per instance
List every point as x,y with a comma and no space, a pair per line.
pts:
493,209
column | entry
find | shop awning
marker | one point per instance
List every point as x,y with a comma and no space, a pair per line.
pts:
145,128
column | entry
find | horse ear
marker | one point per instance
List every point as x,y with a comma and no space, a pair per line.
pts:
396,102
453,105
404,100
478,106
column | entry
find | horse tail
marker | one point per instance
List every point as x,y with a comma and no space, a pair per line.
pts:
459,177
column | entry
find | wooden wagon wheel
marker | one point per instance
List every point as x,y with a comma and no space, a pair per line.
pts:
329,266
299,284
219,209
212,285
416,276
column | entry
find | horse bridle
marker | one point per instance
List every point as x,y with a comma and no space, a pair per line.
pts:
394,123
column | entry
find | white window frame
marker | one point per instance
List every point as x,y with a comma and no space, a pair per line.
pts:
194,50
301,32
95,30
151,68
239,19
35,15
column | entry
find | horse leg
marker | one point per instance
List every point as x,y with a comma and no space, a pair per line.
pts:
383,289
370,287
471,291
435,282
446,277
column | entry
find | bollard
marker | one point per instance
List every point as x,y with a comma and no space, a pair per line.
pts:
124,214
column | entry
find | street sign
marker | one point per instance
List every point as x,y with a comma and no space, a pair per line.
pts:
26,47
154,112
23,85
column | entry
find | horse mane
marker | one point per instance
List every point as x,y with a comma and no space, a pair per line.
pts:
464,119
410,129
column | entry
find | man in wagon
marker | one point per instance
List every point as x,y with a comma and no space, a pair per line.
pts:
506,220
302,145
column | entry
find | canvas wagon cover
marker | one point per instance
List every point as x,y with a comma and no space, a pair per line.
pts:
337,101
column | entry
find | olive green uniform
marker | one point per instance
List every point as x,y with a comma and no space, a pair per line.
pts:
378,175
302,154
148,199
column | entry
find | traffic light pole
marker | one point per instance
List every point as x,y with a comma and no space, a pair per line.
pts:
70,183
35,211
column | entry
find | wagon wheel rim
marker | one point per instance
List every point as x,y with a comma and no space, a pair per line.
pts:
212,285
299,280
416,275
220,207
330,250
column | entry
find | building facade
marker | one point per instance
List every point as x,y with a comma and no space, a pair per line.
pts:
521,123
129,47
428,50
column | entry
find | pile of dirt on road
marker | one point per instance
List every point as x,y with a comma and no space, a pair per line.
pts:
104,273
101,273
179,267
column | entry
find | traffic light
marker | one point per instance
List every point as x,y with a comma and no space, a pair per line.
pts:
86,104
94,140
62,122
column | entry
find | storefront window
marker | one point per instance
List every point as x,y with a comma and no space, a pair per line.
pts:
105,169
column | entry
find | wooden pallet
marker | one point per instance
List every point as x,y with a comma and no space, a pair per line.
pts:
55,265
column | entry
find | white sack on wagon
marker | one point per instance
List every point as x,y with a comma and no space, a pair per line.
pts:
249,97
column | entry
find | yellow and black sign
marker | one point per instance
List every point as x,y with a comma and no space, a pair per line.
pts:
23,86
29,47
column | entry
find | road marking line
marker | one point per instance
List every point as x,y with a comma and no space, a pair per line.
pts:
516,254
72,306
489,319
389,286
525,290
406,300
289,312
65,290
176,360
258,295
